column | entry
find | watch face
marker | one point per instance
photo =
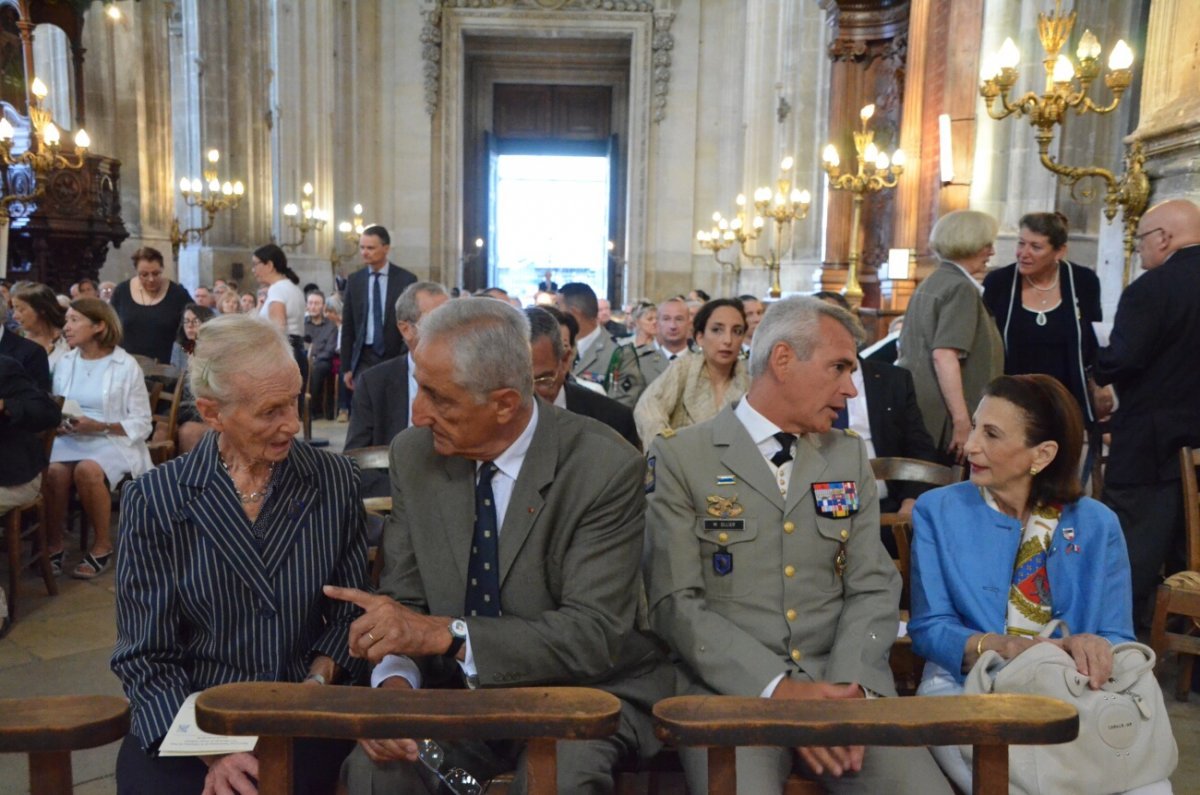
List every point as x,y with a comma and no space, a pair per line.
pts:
458,628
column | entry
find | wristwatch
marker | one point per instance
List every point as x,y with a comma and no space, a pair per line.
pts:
458,636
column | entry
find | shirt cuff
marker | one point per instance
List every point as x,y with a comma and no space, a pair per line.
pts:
396,665
468,661
769,690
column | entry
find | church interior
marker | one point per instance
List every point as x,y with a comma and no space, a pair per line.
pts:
649,148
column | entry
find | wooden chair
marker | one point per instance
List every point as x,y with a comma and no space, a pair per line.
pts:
277,713
162,446
989,723
373,458
51,727
1180,595
906,666
12,530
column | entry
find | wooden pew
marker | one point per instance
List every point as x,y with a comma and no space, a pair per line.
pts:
989,723
51,727
278,712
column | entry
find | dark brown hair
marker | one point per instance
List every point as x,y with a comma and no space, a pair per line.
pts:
99,311
701,320
1051,415
149,254
42,300
1052,226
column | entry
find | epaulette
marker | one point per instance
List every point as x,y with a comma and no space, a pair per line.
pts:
667,433
852,433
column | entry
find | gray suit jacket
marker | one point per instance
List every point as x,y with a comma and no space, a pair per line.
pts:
570,548
782,604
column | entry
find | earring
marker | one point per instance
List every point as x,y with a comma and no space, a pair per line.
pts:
1033,471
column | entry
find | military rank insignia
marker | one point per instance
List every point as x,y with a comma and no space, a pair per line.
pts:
837,499
650,474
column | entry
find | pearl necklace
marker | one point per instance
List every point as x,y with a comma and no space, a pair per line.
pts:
1041,314
254,496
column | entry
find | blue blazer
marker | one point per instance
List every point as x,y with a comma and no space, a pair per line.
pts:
200,603
962,560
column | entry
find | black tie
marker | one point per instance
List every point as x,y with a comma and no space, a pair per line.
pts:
785,453
483,570
377,315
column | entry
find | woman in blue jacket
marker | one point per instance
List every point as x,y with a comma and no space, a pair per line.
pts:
994,560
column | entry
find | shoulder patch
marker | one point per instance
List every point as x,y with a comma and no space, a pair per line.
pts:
851,433
667,433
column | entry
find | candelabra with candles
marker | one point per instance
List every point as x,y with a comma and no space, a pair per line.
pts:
43,154
350,231
305,218
1067,86
785,205
875,171
212,196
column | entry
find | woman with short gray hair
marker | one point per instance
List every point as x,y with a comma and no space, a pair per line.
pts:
949,341
224,552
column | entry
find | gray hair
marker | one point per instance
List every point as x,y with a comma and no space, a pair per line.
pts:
962,233
231,344
796,321
407,309
542,324
490,345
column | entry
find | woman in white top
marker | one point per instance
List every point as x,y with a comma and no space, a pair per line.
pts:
284,305
36,308
103,433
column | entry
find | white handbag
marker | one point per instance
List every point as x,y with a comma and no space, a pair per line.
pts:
1125,738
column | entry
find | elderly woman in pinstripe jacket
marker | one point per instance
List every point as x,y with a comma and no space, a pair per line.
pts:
224,552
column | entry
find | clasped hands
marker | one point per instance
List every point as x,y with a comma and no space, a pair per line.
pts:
1092,654
70,425
834,760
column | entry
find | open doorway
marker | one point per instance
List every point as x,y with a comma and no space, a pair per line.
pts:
551,213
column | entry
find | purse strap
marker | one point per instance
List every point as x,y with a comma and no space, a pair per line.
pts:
1055,623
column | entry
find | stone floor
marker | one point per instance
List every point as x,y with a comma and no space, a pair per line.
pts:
61,645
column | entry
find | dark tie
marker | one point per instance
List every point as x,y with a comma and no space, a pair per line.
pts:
843,418
483,570
377,315
785,453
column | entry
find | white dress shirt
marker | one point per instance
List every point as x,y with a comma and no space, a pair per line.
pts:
508,465
412,389
860,422
584,344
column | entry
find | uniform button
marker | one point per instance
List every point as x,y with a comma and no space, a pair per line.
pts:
789,527
791,615
789,570
845,534
797,655
723,537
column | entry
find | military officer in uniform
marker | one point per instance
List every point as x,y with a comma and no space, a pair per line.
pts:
765,574
639,365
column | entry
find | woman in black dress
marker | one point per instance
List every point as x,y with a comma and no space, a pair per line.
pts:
1045,306
150,307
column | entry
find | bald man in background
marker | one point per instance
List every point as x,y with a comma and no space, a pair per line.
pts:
1151,363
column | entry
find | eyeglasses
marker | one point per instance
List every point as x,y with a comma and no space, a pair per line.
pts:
191,321
1137,239
457,780
545,380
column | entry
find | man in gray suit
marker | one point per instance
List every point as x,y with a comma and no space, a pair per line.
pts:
511,555
766,575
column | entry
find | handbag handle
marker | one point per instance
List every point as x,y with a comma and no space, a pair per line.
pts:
1055,623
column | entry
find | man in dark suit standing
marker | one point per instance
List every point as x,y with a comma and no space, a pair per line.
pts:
511,556
552,365
369,333
31,356
1151,364
384,396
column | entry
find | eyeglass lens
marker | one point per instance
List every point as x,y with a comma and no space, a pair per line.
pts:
459,781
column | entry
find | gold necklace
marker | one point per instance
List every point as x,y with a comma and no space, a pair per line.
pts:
254,496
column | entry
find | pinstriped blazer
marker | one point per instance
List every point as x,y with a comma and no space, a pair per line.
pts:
200,603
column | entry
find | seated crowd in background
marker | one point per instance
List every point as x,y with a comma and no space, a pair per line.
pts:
677,378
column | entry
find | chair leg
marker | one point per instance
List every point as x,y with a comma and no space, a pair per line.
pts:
13,531
1183,684
1158,625
43,547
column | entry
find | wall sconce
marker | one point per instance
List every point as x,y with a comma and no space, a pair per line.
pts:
945,149
303,219
350,232
43,155
212,196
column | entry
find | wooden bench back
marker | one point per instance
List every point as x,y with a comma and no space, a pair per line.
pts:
278,712
50,727
989,723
